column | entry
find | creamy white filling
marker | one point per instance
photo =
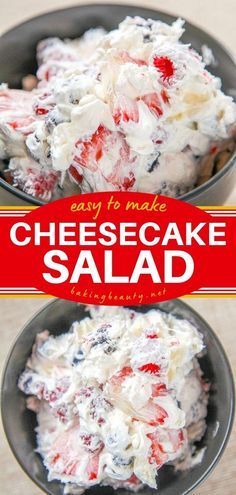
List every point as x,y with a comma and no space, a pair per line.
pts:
111,392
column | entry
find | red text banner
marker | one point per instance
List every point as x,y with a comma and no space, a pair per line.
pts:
117,249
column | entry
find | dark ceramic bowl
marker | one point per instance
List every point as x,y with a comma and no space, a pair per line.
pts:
19,423
17,59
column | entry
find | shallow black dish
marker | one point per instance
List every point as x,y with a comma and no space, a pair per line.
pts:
17,59
19,423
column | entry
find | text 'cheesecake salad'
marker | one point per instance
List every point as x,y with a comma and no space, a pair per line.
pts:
117,397
130,110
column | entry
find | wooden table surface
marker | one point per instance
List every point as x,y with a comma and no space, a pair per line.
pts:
219,19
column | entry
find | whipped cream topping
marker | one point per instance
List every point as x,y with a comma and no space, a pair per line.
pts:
116,397
133,109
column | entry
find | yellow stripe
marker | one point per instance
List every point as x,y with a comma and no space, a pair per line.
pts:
208,207
12,208
47,296
217,207
208,295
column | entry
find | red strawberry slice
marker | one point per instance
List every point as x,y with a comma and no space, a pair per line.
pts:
90,151
151,368
157,455
40,184
153,103
121,375
16,100
22,124
133,480
125,58
40,110
128,182
165,96
177,439
158,452
151,335
75,174
126,110
92,467
55,459
152,414
165,66
66,452
159,389
16,110
70,469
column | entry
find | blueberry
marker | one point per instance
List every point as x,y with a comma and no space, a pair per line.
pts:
73,100
78,357
121,461
110,349
154,164
26,385
146,38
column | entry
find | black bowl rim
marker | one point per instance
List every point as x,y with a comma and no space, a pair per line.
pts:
185,197
179,303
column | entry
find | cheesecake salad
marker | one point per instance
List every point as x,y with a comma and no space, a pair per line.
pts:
117,397
134,109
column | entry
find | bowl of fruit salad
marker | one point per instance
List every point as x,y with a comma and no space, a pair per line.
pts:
120,98
102,400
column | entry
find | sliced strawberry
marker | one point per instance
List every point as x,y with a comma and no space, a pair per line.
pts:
89,154
67,451
165,96
55,459
151,368
152,414
40,110
90,151
133,480
40,184
151,335
16,110
126,110
92,467
75,174
177,439
157,455
70,469
128,182
125,57
159,389
15,100
21,124
153,102
165,66
213,150
121,375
